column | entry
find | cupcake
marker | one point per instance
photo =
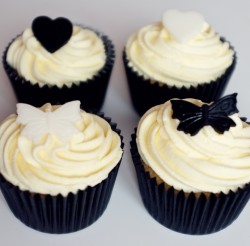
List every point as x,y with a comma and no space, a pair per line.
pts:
55,61
192,161
180,57
58,165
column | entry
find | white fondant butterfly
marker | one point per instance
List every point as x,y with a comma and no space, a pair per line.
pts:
38,123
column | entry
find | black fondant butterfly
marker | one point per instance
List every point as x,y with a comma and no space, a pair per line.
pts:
193,118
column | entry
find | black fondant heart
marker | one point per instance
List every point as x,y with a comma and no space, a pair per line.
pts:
52,34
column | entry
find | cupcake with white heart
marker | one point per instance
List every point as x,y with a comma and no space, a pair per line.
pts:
58,165
55,61
178,57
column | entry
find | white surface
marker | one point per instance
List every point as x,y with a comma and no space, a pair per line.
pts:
126,222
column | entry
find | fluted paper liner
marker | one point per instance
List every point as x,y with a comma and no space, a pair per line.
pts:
59,214
146,93
91,93
186,212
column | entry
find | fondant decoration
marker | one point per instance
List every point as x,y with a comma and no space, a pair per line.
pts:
52,34
38,123
183,26
193,118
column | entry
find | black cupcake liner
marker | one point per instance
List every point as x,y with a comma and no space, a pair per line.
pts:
59,214
91,93
146,93
186,212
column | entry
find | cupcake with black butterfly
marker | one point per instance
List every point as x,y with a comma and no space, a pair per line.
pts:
181,56
55,61
192,161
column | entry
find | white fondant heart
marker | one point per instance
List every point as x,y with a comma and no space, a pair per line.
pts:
183,25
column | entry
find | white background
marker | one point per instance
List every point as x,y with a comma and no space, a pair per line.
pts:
125,221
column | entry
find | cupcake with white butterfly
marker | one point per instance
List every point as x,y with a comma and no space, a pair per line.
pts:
58,165
57,61
178,57
192,161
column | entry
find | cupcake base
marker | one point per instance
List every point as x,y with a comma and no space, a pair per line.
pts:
59,214
91,93
146,93
186,212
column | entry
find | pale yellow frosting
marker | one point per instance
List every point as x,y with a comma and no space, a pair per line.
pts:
78,60
52,166
155,54
206,162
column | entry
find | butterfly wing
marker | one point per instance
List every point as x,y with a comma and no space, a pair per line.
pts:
64,118
225,105
182,109
219,112
33,119
191,124
189,114
69,111
221,123
27,113
35,130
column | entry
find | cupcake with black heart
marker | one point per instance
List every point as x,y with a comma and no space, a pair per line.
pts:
181,56
55,61
58,165
192,161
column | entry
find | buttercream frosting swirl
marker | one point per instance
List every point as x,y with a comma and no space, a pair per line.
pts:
78,60
52,166
155,54
205,162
